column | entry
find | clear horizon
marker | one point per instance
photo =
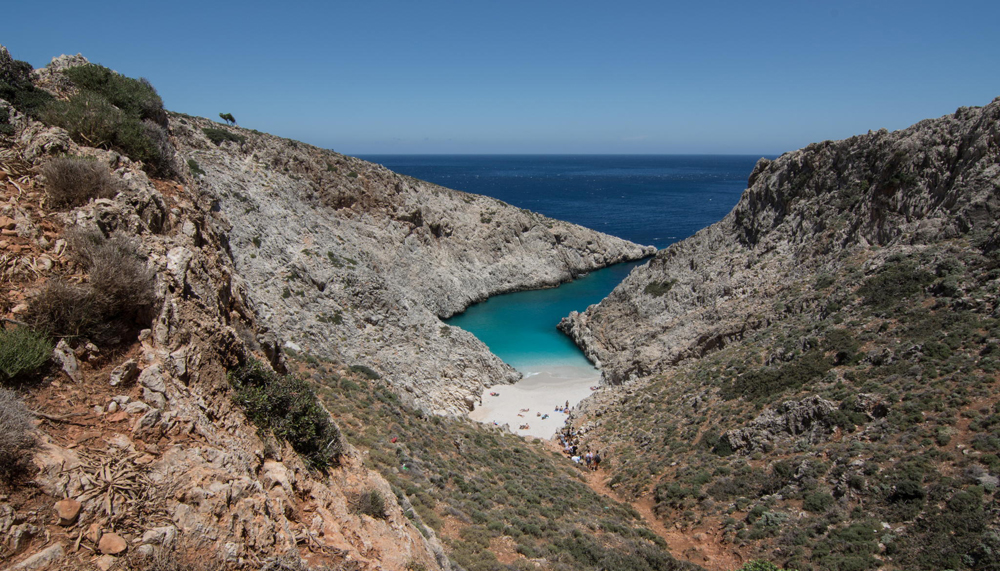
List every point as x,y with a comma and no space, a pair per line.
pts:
557,77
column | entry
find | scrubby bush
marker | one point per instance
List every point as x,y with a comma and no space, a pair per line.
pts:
6,129
366,372
895,282
817,502
759,565
16,439
90,120
118,296
71,181
218,136
657,289
112,111
195,167
371,503
64,309
17,88
117,273
135,97
22,352
287,407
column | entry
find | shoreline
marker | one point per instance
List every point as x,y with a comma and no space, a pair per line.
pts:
540,392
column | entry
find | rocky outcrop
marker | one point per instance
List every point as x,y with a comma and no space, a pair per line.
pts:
348,260
807,420
802,215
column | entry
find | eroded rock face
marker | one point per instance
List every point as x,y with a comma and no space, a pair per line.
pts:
801,215
806,419
348,260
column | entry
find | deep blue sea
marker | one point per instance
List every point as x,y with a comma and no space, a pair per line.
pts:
649,199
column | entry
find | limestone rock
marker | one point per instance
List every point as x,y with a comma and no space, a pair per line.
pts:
374,261
68,510
64,355
152,378
789,419
112,544
125,373
44,559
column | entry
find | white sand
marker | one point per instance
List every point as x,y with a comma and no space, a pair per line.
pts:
539,392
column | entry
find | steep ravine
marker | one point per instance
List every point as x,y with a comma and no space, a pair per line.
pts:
349,260
801,215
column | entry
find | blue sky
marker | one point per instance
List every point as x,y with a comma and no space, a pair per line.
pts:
543,76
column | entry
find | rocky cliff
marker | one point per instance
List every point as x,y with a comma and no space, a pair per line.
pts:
813,380
348,260
801,215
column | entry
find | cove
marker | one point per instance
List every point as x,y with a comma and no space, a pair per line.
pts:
520,328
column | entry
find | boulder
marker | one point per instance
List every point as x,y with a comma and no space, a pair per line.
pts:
112,544
68,511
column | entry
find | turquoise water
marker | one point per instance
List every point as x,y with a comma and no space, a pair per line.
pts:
647,199
520,327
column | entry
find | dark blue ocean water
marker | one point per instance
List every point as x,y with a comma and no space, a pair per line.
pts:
648,199
655,200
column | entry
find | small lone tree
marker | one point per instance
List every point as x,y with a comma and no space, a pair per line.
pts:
228,118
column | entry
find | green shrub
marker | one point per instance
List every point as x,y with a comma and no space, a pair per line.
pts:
195,167
371,503
22,352
92,120
823,281
112,111
817,502
71,181
6,129
895,282
17,441
657,289
768,381
17,88
759,565
135,97
366,372
288,407
218,136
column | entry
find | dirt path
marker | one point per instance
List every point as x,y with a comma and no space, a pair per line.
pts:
702,546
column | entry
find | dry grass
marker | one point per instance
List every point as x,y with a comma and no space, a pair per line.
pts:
119,293
17,443
71,181
64,309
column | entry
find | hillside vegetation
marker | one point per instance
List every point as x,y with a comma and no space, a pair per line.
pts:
820,383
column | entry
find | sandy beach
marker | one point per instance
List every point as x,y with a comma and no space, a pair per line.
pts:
538,392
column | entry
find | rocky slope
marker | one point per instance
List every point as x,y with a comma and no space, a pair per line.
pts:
256,246
802,214
142,442
348,260
813,380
